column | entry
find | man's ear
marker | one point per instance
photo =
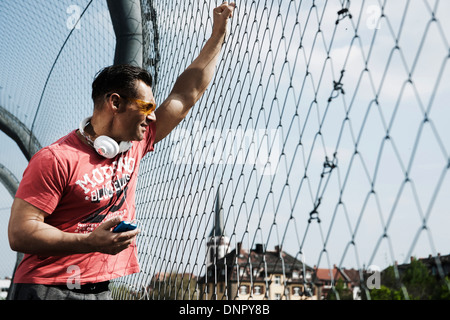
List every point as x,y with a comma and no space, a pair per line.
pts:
114,102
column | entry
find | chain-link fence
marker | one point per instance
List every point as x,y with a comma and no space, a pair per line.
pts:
318,154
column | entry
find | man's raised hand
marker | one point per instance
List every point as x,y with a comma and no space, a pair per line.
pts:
221,14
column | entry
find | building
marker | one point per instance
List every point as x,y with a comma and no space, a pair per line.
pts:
439,266
218,243
325,279
258,274
4,288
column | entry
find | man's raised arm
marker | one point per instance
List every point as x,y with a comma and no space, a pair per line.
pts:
192,83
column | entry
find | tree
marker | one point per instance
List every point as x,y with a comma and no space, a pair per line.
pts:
385,293
173,287
341,291
419,283
416,280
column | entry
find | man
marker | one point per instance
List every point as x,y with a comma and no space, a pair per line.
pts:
75,191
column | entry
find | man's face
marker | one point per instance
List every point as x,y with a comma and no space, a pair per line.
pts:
133,122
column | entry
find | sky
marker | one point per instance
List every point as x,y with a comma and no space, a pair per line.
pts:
272,88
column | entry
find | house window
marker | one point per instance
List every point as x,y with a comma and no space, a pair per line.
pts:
243,290
277,279
296,291
308,276
295,275
257,290
277,296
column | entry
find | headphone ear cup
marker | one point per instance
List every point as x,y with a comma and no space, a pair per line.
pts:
106,147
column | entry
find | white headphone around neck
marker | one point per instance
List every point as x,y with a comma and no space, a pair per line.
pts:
104,145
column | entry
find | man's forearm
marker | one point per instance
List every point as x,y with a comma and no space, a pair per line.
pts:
192,83
28,233
42,239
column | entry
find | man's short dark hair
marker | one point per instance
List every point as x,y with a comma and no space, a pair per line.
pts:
120,79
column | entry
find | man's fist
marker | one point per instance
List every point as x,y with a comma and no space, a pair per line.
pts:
221,14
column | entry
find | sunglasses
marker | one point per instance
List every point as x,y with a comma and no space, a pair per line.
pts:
144,106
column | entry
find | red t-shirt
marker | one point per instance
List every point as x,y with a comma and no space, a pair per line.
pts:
80,189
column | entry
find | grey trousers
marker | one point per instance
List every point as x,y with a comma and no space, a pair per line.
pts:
30,291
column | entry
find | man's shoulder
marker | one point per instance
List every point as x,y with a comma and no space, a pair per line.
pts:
65,147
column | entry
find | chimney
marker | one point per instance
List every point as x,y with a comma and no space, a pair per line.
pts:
278,248
238,249
259,248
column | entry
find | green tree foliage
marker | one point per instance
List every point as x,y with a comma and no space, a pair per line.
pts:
170,287
174,287
340,292
415,283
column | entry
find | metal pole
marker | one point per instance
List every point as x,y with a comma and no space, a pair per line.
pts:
127,23
19,132
9,180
